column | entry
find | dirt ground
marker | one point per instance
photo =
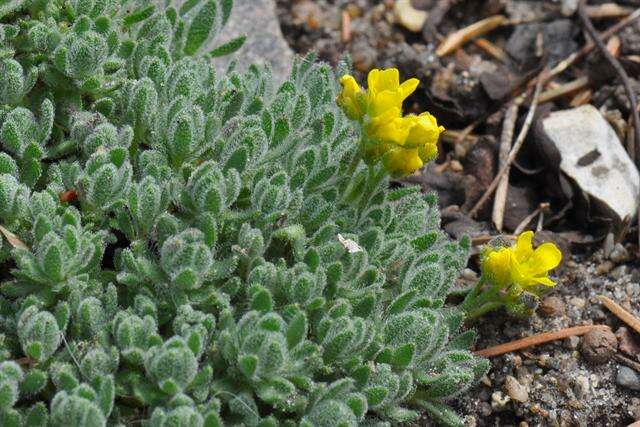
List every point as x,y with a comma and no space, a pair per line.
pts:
593,380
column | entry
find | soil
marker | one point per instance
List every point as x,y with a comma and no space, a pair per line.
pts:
592,380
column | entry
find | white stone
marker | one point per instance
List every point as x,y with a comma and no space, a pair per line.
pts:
593,156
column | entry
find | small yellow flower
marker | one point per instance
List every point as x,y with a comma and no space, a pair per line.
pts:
424,130
521,265
531,267
403,143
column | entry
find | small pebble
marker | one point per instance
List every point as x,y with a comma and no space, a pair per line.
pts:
604,267
619,272
569,7
515,390
552,307
408,16
485,409
572,342
628,378
499,400
627,342
619,254
469,274
598,346
578,302
581,386
486,381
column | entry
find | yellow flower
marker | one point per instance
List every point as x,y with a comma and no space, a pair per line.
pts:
424,130
521,265
350,98
531,267
417,143
403,143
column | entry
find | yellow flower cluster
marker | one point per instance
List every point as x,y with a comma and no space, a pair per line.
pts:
403,143
521,266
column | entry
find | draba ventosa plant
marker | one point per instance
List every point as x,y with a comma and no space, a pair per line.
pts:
186,247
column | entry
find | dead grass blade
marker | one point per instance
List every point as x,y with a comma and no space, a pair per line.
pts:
454,40
13,239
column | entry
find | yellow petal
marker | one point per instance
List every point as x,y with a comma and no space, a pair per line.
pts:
497,266
379,80
380,102
391,131
349,84
408,87
543,280
524,248
546,257
348,99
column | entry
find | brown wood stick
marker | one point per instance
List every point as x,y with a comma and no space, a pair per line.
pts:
564,89
455,40
523,224
608,10
537,339
345,31
624,77
620,312
492,50
506,138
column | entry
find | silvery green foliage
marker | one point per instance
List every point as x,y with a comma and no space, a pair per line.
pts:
184,248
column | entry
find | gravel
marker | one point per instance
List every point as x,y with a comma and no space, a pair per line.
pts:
563,386
628,378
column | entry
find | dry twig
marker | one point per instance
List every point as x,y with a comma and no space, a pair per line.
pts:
523,224
537,339
626,361
564,89
514,151
494,51
455,40
620,312
581,98
345,31
633,101
506,138
607,10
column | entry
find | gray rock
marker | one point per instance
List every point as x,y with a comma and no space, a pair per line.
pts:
591,154
265,43
628,378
